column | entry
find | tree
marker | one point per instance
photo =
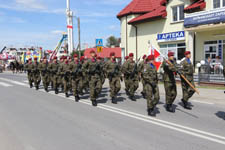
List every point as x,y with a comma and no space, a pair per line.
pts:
113,41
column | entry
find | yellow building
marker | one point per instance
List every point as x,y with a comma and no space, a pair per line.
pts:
164,24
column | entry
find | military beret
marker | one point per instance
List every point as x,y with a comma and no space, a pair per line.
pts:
187,53
75,56
144,56
170,54
55,57
35,58
92,51
99,58
127,57
151,57
131,55
112,54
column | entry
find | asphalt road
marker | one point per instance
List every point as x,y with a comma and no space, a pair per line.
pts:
36,120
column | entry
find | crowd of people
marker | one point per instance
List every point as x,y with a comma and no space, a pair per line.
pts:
78,75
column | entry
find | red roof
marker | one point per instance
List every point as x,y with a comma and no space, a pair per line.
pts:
139,7
196,6
105,52
159,12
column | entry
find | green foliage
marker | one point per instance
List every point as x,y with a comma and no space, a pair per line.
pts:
113,41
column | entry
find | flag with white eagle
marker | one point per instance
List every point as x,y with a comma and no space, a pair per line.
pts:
157,55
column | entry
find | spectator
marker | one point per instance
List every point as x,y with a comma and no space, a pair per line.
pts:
209,66
217,65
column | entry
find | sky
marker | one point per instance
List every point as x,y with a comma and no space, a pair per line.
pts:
25,23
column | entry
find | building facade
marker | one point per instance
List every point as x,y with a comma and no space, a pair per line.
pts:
172,25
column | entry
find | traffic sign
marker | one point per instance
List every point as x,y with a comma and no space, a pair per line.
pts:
99,42
99,49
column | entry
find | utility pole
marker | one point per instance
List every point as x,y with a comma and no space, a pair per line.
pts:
79,46
69,14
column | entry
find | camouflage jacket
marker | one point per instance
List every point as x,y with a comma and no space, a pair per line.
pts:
187,69
149,74
129,68
113,69
169,71
53,68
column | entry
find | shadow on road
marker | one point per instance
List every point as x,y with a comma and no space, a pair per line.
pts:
220,114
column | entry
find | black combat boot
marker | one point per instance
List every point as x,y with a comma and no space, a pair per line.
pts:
56,91
37,88
169,108
151,112
132,98
67,95
127,92
143,94
31,85
186,105
46,89
94,103
114,100
77,98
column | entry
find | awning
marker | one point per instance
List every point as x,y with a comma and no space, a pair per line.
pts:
196,6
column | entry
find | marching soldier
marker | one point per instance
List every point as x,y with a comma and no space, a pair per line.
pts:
131,69
50,75
169,81
125,75
94,70
86,76
188,72
140,67
53,68
149,75
102,65
36,73
114,75
64,72
76,72
44,73
28,68
60,73
82,77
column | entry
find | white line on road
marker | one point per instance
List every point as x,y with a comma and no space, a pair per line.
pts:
187,130
202,102
5,84
14,82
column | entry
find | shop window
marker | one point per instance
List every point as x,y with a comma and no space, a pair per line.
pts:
218,3
178,49
178,13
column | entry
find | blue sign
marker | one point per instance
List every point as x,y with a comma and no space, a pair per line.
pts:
205,18
99,42
172,36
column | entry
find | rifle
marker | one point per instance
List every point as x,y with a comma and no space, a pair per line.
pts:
135,68
95,70
186,80
116,70
77,71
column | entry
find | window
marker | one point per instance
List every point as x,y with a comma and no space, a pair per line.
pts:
218,3
178,49
178,13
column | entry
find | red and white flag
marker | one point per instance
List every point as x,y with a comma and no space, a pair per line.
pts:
157,55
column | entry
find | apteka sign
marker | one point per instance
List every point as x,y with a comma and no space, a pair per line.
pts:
172,36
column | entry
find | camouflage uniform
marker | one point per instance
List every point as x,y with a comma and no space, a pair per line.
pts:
169,81
86,76
114,74
133,81
61,76
28,68
126,78
53,68
149,75
64,73
140,67
95,83
76,72
44,75
36,74
188,71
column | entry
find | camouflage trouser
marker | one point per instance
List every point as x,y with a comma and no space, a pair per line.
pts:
55,81
37,79
30,78
171,92
45,80
115,86
60,81
103,79
188,92
126,81
152,95
86,80
132,86
95,87
51,79
66,84
75,86
143,83
81,84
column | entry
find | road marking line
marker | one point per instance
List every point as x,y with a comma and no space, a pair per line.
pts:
202,102
14,82
162,123
5,84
